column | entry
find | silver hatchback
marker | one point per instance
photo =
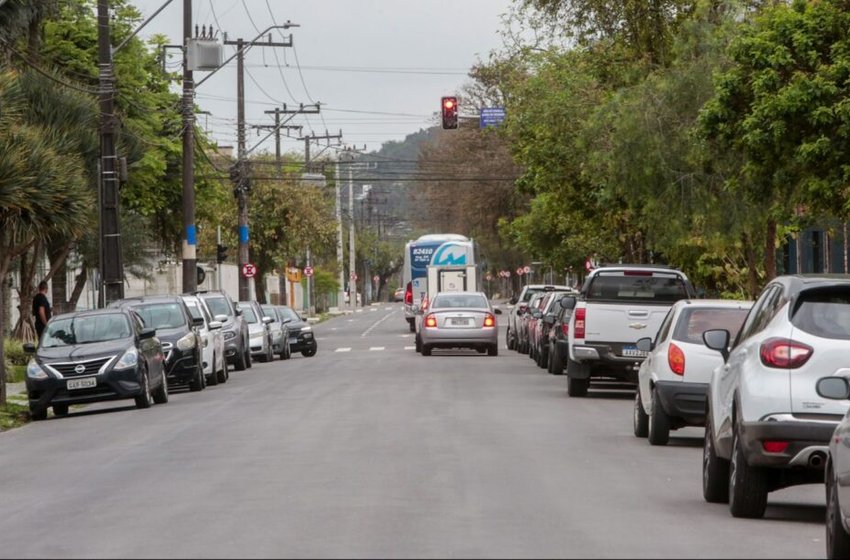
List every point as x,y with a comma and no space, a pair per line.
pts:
460,320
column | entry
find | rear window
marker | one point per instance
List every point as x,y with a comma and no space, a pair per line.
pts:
661,288
693,322
824,313
531,292
459,300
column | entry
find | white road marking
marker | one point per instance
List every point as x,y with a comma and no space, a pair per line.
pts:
410,347
358,311
377,348
343,350
406,335
374,309
375,324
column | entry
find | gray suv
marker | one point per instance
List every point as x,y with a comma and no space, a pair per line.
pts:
237,347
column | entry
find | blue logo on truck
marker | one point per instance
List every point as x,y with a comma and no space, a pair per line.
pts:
450,254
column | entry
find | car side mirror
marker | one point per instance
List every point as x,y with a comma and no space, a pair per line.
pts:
29,348
147,333
221,318
645,344
835,388
287,320
568,302
497,311
214,325
717,339
513,300
267,320
197,321
238,312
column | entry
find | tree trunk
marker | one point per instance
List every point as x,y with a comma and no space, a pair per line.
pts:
4,266
58,255
770,250
79,284
260,287
752,271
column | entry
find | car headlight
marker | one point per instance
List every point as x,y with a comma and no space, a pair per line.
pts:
307,328
128,360
229,334
34,371
186,343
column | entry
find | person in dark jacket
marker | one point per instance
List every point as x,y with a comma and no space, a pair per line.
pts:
41,308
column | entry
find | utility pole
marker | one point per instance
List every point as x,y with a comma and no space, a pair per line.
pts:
111,262
352,269
341,293
190,236
239,174
315,138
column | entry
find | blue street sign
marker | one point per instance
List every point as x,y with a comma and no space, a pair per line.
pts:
491,116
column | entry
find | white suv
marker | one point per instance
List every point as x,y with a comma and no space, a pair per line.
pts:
766,426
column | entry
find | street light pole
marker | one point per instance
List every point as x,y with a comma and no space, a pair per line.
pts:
190,237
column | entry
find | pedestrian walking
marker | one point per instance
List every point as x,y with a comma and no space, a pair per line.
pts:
41,308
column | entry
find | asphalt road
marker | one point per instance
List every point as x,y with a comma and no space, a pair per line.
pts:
371,450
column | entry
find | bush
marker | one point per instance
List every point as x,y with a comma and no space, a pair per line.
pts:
15,354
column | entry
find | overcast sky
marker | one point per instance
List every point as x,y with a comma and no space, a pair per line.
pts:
378,67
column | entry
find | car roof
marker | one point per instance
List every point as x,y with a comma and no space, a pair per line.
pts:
135,300
94,312
715,303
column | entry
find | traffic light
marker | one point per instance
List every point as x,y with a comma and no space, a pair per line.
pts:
449,110
220,253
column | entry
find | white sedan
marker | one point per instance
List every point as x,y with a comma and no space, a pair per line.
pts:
216,369
673,379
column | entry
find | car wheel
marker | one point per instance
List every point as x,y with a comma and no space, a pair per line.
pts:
747,485
555,359
412,326
212,380
640,418
481,349
659,422
60,409
224,373
38,413
493,350
287,351
418,342
426,350
145,400
241,364
249,360
715,470
549,356
837,539
160,396
577,387
542,359
199,380
270,357
509,340
308,353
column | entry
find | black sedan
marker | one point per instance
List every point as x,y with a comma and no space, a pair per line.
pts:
301,338
175,327
91,356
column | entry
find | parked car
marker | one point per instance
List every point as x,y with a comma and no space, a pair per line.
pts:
523,319
837,471
558,338
767,428
176,328
398,295
519,304
91,356
673,379
259,333
539,336
212,340
301,337
460,320
616,306
237,347
279,331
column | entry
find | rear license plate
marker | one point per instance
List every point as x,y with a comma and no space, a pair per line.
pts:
631,351
84,383
461,322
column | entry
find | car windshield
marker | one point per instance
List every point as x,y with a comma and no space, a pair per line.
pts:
531,292
444,301
249,315
268,311
824,313
693,322
86,330
161,315
289,313
637,286
218,306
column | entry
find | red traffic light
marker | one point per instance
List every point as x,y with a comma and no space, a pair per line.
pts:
448,103
449,112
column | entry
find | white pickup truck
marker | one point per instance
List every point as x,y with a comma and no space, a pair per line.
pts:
618,305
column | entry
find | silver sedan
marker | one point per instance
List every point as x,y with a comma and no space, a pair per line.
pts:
460,320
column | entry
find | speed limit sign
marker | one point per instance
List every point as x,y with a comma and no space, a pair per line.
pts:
308,271
249,270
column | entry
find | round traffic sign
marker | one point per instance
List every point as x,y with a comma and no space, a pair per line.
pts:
376,278
308,271
526,269
519,271
489,277
353,276
249,270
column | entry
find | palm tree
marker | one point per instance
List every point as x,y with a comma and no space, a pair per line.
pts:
43,187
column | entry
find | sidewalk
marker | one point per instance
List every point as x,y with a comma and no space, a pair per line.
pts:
13,389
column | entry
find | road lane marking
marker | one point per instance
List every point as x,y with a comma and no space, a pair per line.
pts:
410,347
374,309
343,350
377,348
375,324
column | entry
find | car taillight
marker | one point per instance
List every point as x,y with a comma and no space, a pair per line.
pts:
581,317
425,303
565,329
489,321
774,446
408,294
431,321
676,359
784,353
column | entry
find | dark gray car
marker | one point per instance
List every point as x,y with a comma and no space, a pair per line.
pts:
236,342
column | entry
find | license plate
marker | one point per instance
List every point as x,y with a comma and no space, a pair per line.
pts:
631,351
84,383
461,322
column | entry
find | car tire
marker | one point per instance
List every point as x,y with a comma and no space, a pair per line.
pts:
160,396
213,378
542,359
223,374
556,361
241,364
493,350
659,422
249,360
577,387
426,350
640,418
145,400
747,485
199,380
38,413
837,539
308,353
715,469
271,353
418,342
412,326
287,352
482,349
510,343
60,409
